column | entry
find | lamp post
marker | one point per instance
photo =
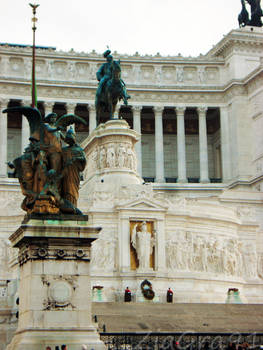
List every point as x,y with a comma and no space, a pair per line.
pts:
33,87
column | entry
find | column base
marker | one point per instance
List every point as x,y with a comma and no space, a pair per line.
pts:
204,181
160,181
182,181
39,339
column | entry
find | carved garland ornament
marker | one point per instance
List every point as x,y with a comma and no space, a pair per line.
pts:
60,292
40,253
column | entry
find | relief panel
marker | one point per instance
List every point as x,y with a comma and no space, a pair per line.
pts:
60,68
212,75
16,66
169,74
190,74
82,71
147,74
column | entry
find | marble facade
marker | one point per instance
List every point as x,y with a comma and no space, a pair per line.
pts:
196,179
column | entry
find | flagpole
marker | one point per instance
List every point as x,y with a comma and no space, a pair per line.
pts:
33,87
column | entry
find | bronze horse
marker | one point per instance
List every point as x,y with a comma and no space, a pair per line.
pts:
113,91
256,14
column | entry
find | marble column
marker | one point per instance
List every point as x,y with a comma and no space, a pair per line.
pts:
70,107
225,144
3,139
25,129
136,110
92,118
117,113
181,159
203,150
48,107
159,156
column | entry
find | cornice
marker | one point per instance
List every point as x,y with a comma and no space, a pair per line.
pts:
238,37
98,57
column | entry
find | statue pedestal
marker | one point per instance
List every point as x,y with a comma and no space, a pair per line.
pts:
110,154
54,291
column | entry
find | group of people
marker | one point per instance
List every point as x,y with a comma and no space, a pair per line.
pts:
63,347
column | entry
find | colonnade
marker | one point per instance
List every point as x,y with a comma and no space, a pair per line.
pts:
159,144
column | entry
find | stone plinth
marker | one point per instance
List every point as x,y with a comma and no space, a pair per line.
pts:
54,291
110,154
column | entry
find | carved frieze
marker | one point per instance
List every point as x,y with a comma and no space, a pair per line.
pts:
103,252
188,251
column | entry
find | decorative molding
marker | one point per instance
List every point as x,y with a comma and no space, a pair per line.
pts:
46,253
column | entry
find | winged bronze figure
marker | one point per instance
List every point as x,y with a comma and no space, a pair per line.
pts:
42,169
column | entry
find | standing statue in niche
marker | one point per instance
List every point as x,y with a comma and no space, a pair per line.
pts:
49,174
143,242
256,14
111,88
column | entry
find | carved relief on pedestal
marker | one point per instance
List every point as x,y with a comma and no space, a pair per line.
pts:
112,156
103,252
60,292
142,246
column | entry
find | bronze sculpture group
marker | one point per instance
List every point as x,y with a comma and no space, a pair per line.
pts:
256,14
49,174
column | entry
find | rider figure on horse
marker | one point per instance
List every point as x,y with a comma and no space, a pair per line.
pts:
105,73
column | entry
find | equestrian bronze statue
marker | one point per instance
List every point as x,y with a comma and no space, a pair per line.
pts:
111,88
256,14
49,174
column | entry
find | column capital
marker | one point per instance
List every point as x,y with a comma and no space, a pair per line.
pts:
202,110
4,101
48,104
71,107
158,109
180,110
26,102
92,108
136,109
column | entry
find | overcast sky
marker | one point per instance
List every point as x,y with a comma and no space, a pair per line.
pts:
189,27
